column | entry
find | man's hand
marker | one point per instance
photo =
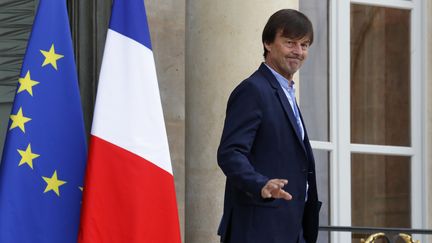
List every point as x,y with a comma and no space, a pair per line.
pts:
273,189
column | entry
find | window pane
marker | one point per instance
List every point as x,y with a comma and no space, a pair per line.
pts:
322,167
380,75
314,78
381,191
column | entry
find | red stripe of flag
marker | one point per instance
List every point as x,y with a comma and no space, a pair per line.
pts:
128,199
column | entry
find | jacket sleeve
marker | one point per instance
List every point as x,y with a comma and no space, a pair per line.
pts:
243,119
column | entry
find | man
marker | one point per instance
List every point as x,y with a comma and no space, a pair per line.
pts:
270,194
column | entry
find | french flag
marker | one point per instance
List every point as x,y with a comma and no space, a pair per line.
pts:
129,193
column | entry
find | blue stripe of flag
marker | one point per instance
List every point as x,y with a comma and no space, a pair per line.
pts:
129,18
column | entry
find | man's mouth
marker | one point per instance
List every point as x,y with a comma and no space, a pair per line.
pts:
295,58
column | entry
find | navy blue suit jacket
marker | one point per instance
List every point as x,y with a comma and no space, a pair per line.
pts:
260,142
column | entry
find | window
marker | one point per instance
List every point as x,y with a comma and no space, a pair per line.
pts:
380,115
361,97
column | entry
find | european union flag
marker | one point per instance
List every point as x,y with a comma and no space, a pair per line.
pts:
41,173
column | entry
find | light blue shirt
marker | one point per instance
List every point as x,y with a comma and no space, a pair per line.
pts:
287,87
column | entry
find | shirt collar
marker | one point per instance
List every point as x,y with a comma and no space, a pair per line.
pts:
285,83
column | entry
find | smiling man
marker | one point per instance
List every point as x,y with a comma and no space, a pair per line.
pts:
271,193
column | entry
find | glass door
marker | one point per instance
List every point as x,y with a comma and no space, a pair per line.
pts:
377,168
380,117
361,94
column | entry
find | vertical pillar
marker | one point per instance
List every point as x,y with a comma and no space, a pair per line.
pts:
223,47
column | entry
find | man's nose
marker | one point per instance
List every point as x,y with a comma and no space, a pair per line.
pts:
297,49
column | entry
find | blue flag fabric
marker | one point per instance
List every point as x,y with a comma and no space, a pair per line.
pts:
43,163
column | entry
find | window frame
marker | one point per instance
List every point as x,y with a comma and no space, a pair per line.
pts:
339,144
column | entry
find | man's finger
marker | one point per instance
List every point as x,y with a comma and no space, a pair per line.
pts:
285,195
284,181
274,187
278,183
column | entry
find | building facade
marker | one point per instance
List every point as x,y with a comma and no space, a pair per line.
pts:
364,94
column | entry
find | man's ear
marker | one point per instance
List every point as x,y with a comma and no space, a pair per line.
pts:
267,46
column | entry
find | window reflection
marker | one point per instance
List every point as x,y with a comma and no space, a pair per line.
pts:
380,76
314,75
380,191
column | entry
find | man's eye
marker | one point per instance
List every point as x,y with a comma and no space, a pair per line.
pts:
290,43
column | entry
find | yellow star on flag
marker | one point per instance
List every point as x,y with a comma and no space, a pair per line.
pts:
27,156
51,57
19,120
26,83
53,183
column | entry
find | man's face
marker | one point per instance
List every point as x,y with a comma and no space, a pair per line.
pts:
286,55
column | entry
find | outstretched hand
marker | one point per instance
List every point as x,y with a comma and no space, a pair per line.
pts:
274,189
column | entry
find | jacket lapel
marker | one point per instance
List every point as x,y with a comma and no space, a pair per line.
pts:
289,112
283,100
